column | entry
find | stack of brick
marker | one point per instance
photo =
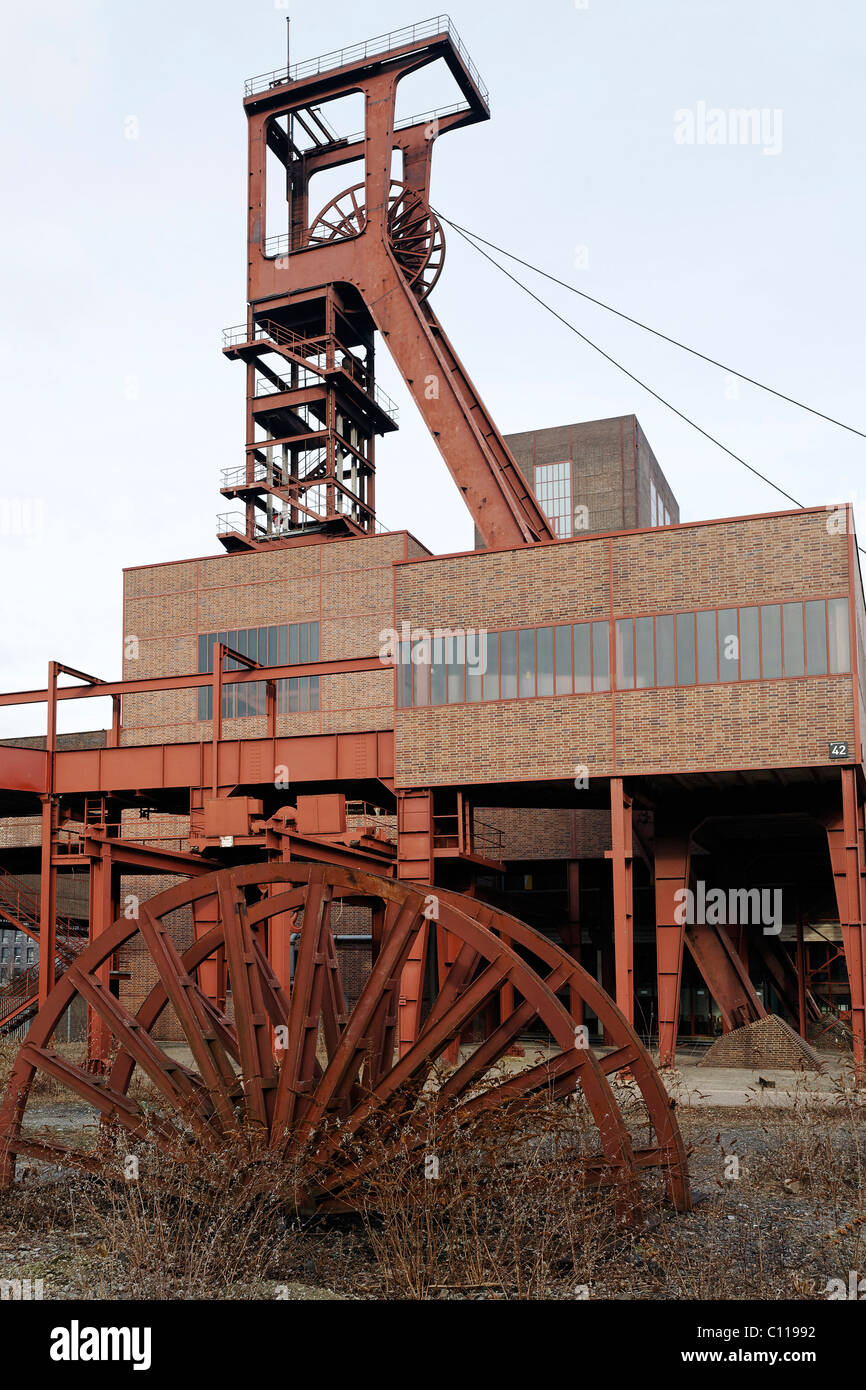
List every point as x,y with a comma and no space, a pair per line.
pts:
768,1043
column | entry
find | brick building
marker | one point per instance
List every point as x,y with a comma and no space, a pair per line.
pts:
597,717
673,656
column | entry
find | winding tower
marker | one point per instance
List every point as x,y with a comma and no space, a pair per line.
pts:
322,280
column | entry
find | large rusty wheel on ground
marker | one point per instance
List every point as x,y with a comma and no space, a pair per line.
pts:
415,233
334,1071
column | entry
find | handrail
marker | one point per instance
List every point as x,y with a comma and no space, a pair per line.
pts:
267,329
22,903
371,48
74,841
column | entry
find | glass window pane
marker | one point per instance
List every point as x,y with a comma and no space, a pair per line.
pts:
750,649
625,654
508,665
792,631
707,662
304,694
840,636
404,675
202,654
771,640
553,490
421,656
562,644
491,666
729,645
816,637
456,657
686,649
252,640
526,661
582,659
263,646
665,658
438,691
601,656
476,663
303,642
203,692
544,657
283,646
293,644
644,646
314,642
315,685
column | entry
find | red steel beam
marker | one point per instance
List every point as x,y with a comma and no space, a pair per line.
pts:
671,876
622,864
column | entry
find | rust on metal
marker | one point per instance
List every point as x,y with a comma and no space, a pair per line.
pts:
265,1069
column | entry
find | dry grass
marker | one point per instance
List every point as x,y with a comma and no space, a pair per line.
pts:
45,1087
508,1216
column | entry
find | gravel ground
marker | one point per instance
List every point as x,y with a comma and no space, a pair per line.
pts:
780,1209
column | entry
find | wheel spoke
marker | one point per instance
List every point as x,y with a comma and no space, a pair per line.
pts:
186,998
364,1092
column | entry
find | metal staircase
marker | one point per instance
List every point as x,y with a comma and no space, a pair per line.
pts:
19,907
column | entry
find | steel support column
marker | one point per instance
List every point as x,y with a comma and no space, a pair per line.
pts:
845,837
671,877
623,895
571,933
414,865
103,899
48,871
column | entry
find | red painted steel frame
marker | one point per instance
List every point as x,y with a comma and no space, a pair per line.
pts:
237,1081
500,500
846,838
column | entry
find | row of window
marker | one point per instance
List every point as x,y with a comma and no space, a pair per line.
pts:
659,514
553,491
296,695
6,955
288,645
674,649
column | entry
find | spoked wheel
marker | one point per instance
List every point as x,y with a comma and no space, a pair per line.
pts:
417,239
344,216
414,231
299,1074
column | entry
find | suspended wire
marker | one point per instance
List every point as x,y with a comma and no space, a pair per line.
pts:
468,237
732,371
606,355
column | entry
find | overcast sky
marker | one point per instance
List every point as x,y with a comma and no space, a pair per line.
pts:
123,258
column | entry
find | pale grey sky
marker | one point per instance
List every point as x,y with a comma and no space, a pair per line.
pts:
122,259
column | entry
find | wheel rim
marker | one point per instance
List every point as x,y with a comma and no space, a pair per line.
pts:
337,1063
414,232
